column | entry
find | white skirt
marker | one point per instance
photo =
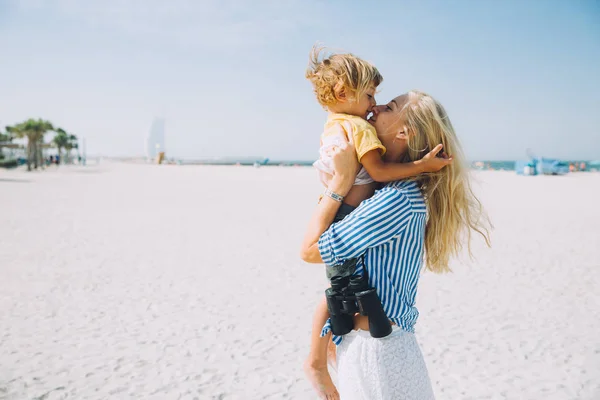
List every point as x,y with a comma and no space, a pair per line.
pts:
391,368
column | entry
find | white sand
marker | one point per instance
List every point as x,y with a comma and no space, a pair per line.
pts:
168,282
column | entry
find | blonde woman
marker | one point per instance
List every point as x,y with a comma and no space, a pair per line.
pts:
406,225
345,86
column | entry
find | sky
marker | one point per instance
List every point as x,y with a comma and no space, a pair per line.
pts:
228,75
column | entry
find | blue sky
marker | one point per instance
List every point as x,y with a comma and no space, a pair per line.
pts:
228,76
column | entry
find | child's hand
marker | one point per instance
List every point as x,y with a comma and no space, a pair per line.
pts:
431,162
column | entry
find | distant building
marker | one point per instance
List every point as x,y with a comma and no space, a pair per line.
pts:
155,142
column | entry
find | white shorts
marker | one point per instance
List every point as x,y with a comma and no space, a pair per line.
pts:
382,369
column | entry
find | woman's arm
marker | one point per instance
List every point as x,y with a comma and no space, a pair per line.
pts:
320,221
376,221
345,165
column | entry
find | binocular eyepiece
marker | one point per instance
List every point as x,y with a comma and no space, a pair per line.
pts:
350,295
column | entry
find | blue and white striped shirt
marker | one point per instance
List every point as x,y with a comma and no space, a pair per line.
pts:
389,229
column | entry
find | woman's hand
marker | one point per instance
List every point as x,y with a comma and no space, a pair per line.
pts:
345,164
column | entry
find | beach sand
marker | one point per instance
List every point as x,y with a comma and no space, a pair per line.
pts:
180,282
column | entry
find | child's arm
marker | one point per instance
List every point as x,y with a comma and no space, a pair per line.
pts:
381,171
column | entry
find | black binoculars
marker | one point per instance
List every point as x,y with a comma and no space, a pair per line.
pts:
349,295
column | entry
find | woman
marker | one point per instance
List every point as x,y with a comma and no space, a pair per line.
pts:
403,225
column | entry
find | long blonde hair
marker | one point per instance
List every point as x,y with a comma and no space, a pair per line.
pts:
453,209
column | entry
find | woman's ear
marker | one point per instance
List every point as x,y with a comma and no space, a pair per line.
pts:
403,134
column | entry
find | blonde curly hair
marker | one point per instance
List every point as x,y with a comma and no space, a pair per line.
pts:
332,73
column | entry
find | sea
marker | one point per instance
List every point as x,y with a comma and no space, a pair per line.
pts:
504,165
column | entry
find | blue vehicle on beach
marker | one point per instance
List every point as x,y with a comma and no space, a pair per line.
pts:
541,166
547,166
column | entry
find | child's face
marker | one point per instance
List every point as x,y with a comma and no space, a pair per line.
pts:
362,106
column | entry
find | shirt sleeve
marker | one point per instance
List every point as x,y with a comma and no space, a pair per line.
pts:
375,222
326,329
365,140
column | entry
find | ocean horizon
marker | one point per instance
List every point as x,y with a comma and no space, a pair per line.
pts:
507,165
498,165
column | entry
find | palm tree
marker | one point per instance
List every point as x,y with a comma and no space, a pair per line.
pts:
60,141
10,134
17,132
69,145
34,131
6,137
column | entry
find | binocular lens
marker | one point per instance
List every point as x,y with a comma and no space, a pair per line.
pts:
343,301
369,304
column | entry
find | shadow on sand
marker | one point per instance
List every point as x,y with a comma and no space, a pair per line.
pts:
14,180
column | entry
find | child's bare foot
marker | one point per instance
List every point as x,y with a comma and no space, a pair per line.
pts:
321,380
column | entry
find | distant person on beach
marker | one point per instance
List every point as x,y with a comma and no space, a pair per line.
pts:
345,86
403,225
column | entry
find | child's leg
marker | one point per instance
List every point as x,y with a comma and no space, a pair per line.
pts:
332,354
358,193
318,344
316,364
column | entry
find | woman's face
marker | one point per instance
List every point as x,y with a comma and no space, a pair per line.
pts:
388,122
